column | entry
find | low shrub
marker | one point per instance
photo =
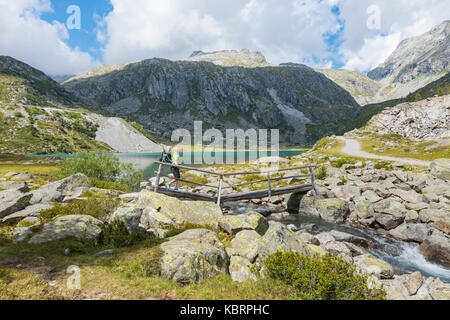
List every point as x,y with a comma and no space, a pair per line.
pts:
340,162
321,277
103,167
116,235
98,208
320,173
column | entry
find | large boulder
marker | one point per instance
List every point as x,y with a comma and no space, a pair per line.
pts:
374,266
415,232
30,211
160,211
436,248
192,256
331,210
56,191
440,168
131,218
247,244
78,226
391,207
12,201
388,222
248,221
279,238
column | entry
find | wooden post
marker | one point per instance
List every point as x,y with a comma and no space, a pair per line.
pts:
270,186
158,175
313,182
219,195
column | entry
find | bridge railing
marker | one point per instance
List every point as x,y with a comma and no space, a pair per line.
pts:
221,176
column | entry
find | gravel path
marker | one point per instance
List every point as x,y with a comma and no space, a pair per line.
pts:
353,148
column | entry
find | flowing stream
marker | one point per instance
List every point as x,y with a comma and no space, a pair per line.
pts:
404,257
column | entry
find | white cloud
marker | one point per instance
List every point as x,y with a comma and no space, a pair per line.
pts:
364,49
24,36
283,31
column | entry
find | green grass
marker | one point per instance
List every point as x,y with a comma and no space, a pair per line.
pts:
130,273
402,147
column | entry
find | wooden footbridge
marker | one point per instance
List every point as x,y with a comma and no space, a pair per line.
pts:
222,197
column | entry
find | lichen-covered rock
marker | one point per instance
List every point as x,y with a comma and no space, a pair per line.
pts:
240,269
130,217
12,201
332,210
391,207
57,191
192,256
436,248
374,266
78,226
439,218
409,196
160,211
440,168
439,290
279,238
248,221
247,244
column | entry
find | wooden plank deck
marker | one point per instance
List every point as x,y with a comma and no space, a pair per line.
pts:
259,194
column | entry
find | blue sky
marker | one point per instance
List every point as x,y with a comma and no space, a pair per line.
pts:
319,33
85,38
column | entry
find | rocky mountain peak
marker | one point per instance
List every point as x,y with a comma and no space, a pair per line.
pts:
231,58
424,55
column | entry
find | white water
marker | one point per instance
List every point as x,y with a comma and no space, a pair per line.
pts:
403,256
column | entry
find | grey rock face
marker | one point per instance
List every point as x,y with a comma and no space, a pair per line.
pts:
174,94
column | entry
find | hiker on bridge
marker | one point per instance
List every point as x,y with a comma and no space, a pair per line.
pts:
174,159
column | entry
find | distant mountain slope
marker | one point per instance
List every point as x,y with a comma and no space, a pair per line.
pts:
37,115
164,95
361,87
439,87
414,64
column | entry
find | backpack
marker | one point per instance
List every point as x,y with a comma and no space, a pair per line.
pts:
166,157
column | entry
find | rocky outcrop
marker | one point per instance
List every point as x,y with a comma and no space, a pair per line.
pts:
192,256
71,186
12,201
77,226
428,119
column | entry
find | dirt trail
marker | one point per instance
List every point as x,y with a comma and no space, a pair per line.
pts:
353,148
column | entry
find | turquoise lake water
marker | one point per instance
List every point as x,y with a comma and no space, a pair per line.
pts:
146,161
